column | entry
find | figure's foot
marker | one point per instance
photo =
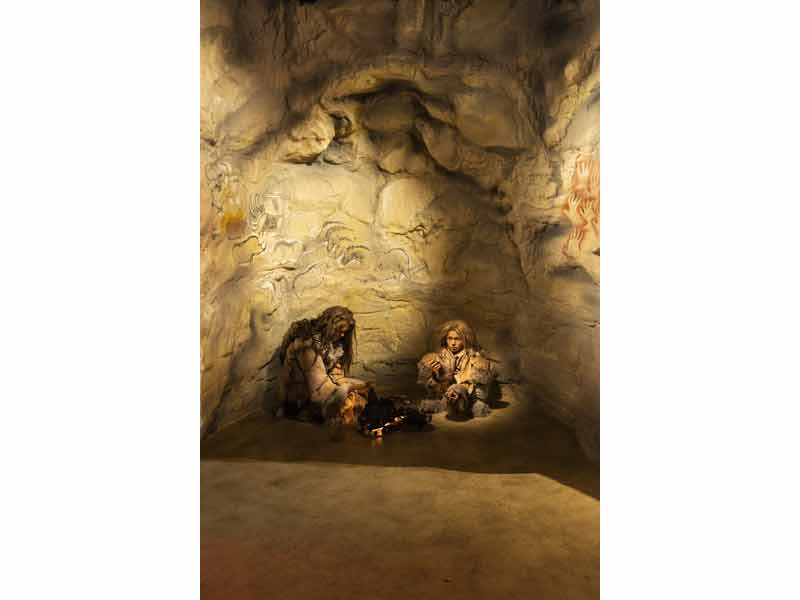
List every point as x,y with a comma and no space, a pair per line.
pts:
480,409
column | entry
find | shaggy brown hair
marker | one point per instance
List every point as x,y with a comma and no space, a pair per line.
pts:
321,331
462,329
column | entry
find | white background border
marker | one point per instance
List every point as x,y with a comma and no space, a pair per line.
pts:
100,251
100,315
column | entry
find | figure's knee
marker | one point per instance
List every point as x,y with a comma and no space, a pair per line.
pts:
480,409
457,399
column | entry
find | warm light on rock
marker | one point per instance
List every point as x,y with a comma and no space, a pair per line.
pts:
415,162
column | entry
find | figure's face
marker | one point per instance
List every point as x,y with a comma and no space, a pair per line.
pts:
454,342
341,329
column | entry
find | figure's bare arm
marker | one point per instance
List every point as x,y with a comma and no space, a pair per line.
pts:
355,383
306,358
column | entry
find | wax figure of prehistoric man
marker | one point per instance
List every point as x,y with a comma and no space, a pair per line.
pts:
315,356
457,373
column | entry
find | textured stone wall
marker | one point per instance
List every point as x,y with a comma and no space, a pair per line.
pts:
415,161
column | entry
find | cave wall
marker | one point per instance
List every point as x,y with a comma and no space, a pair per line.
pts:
415,161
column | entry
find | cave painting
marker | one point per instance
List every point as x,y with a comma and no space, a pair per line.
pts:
340,243
223,182
265,213
254,214
456,375
582,208
226,187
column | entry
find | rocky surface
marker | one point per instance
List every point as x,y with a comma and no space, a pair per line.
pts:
415,161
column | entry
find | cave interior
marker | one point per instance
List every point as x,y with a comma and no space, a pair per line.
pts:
415,161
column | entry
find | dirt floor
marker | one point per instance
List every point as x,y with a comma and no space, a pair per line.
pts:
501,507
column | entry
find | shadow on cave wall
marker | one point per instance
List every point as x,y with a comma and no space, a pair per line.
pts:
250,379
458,292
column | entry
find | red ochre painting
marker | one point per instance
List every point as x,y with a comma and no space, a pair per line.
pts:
582,208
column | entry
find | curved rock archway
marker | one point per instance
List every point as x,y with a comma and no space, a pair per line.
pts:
413,160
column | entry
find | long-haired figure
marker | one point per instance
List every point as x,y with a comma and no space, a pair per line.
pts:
316,355
457,373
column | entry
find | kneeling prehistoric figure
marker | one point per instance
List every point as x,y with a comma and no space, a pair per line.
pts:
315,356
457,374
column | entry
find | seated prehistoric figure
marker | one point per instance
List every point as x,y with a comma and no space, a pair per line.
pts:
315,356
457,374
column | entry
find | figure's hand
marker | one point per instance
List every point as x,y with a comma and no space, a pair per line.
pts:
454,392
440,372
456,398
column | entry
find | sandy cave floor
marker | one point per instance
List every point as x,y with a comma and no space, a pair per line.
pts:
501,507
